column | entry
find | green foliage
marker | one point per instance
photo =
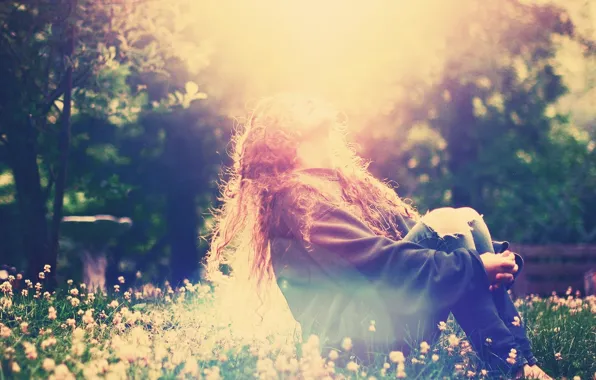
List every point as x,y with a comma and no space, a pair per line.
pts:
485,131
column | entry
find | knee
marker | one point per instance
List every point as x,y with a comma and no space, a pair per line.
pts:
468,214
446,220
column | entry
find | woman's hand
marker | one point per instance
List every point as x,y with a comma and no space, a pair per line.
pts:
500,268
535,372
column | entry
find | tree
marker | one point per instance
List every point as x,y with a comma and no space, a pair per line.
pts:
480,132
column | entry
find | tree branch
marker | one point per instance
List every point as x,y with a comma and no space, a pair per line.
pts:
61,89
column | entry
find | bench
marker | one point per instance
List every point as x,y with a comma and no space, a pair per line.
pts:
555,268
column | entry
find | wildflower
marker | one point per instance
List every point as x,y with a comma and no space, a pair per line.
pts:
78,334
453,340
415,361
512,356
489,341
127,296
47,295
38,286
48,364
71,322
442,326
4,331
372,327
139,274
42,276
46,268
6,287
51,341
569,290
78,348
74,291
558,356
75,302
435,358
5,303
346,344
397,357
424,347
470,373
352,366
88,317
577,378
30,351
516,321
15,368
19,276
61,372
52,313
117,288
113,304
401,371
333,355
24,327
24,292
386,365
82,285
121,279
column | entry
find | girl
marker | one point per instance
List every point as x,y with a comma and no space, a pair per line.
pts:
349,255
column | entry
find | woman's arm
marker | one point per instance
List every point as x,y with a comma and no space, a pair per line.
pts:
346,249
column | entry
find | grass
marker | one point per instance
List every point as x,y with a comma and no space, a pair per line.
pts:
165,333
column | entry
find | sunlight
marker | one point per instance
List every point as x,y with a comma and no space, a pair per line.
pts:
325,48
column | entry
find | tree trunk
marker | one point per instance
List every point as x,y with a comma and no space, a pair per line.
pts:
182,221
181,209
31,201
64,147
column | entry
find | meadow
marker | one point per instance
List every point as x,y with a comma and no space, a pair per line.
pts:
141,331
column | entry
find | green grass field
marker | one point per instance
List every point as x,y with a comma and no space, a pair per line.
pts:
165,333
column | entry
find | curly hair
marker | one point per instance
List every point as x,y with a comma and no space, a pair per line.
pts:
265,162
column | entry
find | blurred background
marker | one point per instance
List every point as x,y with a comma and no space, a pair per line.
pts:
115,117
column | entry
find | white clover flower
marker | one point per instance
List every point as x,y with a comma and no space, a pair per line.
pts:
48,364
397,356
15,368
453,340
333,355
347,344
352,366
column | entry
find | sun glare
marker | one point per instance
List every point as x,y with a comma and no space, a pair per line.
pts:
331,48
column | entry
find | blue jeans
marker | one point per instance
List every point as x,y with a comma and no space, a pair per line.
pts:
482,313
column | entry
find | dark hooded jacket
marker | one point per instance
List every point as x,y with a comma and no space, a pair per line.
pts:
349,278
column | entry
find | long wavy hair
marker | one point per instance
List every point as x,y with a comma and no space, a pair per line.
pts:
265,158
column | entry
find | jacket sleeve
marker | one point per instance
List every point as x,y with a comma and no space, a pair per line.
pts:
345,247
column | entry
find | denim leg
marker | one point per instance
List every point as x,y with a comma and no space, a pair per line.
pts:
477,312
502,299
478,316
